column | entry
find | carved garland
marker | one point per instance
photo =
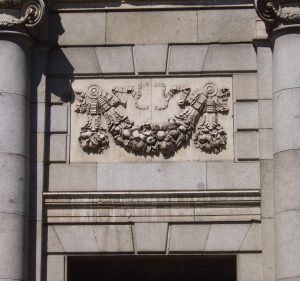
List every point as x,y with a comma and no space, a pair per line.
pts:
153,139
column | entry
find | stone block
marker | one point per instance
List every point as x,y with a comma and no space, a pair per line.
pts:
249,267
151,58
267,191
37,147
115,59
151,237
13,258
77,28
246,115
265,114
287,229
252,240
59,119
36,190
245,86
187,58
188,238
247,145
227,175
286,131
113,238
220,25
74,177
76,60
266,143
58,148
287,180
14,124
53,243
59,90
151,176
14,177
55,268
264,72
226,237
77,238
151,27
38,115
231,57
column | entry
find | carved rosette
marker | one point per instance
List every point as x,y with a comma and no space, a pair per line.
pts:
32,13
153,139
278,12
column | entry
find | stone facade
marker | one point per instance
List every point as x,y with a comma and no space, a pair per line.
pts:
167,128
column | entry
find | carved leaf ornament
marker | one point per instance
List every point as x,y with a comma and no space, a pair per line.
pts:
198,117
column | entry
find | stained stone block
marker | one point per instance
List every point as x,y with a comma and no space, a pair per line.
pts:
249,267
265,113
77,28
151,27
221,25
226,237
286,132
264,72
246,115
151,237
188,238
77,238
55,268
151,58
226,175
59,119
151,176
247,145
115,59
267,189
266,143
75,60
58,148
59,90
187,58
245,86
74,177
113,238
231,57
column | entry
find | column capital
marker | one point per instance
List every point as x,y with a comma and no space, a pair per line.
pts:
21,15
278,13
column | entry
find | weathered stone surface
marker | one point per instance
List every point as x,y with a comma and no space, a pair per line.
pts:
55,268
231,57
151,27
249,267
226,25
151,237
186,58
113,238
286,132
226,237
75,60
77,28
246,115
59,119
227,175
267,189
151,176
252,240
266,143
247,145
151,58
58,148
188,238
115,59
77,238
265,114
287,229
245,86
74,177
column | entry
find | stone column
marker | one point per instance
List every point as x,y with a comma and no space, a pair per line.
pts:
283,24
16,20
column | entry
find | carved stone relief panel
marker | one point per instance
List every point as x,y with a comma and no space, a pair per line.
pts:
152,119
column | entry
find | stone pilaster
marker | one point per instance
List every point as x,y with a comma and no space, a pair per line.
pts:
17,20
282,20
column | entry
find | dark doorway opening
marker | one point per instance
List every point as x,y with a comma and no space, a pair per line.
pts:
152,268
